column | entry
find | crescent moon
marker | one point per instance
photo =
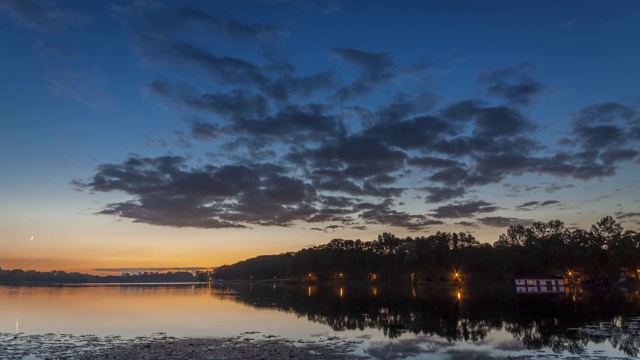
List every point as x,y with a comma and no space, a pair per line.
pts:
31,238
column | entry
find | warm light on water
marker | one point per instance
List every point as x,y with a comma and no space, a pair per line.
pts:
383,321
193,310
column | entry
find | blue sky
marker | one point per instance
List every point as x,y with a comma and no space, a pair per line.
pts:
159,133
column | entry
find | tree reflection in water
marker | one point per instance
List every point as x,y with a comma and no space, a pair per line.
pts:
567,322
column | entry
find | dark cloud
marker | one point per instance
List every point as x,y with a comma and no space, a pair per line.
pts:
167,192
605,132
404,105
494,167
502,222
309,120
565,165
284,87
614,155
430,162
375,69
293,124
357,157
450,176
555,187
528,205
318,168
418,132
461,111
178,211
202,130
501,121
480,145
398,218
338,182
467,224
330,228
512,84
468,209
531,205
233,105
603,113
599,136
227,70
625,215
441,194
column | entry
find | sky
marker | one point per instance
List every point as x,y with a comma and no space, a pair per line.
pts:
163,135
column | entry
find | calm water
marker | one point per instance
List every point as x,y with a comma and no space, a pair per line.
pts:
384,322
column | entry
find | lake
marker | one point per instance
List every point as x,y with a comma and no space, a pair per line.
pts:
383,322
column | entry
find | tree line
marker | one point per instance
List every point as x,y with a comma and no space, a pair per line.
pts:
541,249
18,276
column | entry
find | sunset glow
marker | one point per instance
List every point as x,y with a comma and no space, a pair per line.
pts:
170,135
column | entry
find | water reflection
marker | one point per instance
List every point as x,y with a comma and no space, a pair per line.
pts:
569,322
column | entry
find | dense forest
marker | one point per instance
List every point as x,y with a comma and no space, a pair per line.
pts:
541,249
60,277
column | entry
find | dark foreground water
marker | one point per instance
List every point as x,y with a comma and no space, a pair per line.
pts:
382,322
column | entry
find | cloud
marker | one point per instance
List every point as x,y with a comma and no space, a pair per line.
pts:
309,120
512,84
166,192
555,187
529,204
430,162
413,133
291,144
202,130
402,219
376,69
441,194
532,205
232,105
467,224
228,70
502,222
501,121
356,157
225,69
460,210
625,215
404,105
451,176
607,132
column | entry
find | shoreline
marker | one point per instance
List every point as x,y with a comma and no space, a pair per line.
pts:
247,345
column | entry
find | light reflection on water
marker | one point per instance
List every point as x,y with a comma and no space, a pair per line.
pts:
135,310
386,322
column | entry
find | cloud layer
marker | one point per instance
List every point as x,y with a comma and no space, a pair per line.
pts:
343,146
